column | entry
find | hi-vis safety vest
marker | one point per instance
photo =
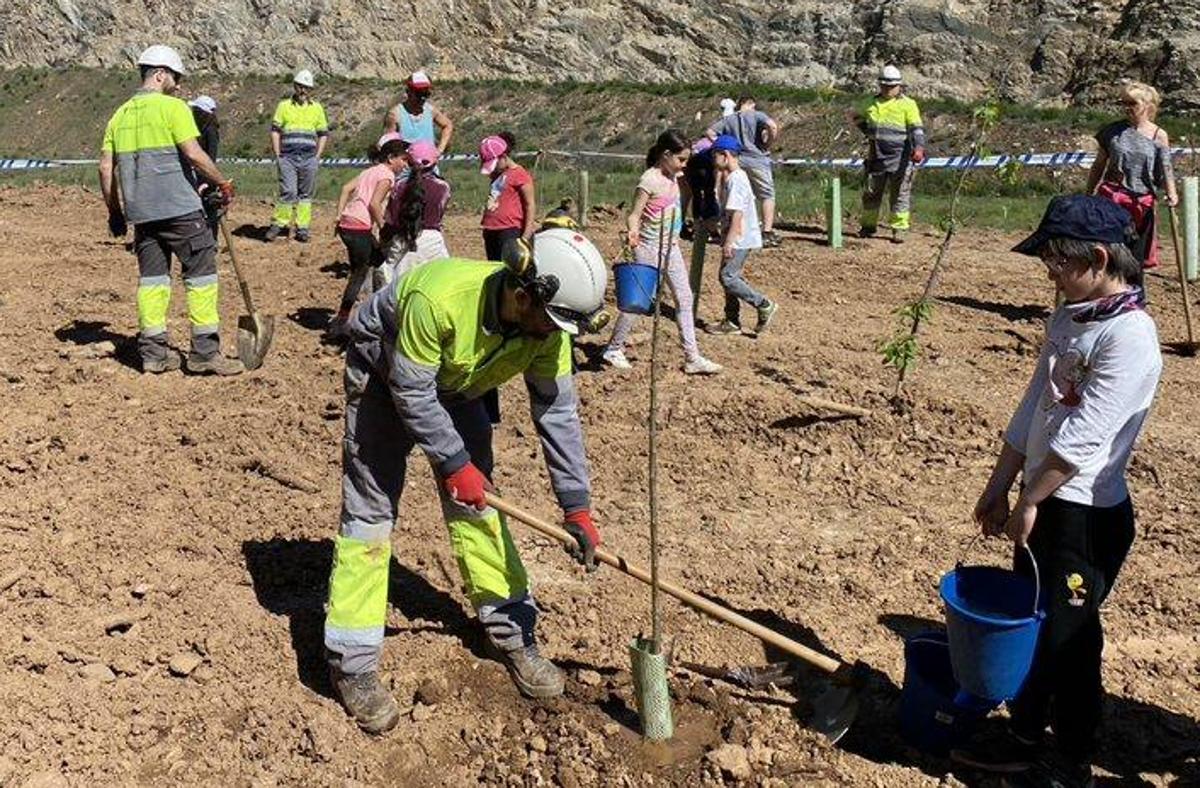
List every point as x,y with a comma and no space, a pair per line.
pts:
299,125
894,129
143,136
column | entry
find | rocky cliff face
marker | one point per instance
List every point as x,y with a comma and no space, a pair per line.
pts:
1041,50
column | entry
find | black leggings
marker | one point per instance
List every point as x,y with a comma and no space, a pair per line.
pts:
493,242
1079,550
363,253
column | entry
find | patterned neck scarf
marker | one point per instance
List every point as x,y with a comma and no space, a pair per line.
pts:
1106,308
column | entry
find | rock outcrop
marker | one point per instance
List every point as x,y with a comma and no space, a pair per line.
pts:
1052,51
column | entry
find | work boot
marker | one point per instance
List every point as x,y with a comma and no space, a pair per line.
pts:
215,365
534,675
156,366
1001,751
766,313
363,695
1052,772
273,232
302,235
897,235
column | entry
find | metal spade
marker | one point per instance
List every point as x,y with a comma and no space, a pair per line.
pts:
255,331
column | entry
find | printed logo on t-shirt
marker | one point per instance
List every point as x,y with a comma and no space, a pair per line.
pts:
1068,371
494,194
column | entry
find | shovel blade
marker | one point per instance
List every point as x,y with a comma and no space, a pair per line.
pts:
834,712
254,336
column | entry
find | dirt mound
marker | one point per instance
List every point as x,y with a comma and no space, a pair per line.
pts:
165,541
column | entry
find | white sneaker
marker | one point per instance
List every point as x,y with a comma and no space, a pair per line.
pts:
701,366
616,359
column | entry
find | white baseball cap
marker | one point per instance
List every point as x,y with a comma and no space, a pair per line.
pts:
206,103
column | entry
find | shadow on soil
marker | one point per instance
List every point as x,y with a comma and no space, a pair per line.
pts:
91,332
312,318
339,268
253,231
1013,312
291,578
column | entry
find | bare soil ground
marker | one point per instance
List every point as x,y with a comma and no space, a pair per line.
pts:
165,541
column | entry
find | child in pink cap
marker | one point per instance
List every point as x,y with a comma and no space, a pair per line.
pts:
412,229
511,205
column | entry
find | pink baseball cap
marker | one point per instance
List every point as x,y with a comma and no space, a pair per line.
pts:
423,154
391,136
490,151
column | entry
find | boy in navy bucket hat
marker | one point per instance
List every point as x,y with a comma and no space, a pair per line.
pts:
1070,440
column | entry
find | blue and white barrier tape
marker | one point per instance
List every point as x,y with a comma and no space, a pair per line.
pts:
1071,159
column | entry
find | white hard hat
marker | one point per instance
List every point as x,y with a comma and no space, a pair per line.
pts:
206,103
569,272
890,75
303,77
727,107
161,56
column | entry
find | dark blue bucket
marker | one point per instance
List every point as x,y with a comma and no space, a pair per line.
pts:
636,287
934,715
992,621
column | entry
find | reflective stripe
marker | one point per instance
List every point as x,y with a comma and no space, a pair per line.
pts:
202,306
366,532
283,214
153,301
303,214
341,636
155,281
199,281
152,331
358,584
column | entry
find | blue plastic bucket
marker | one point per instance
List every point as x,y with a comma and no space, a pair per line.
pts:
934,715
636,287
992,622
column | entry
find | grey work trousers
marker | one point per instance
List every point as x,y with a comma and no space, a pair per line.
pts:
374,460
188,238
898,186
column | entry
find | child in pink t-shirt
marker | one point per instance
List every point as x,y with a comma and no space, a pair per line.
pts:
511,206
360,210
657,201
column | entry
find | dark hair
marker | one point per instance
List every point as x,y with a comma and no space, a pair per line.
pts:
670,141
146,71
391,148
1121,261
410,211
744,100
510,140
205,119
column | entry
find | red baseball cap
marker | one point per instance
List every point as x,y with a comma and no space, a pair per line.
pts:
419,80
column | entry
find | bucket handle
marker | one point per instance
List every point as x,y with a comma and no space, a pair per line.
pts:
1037,574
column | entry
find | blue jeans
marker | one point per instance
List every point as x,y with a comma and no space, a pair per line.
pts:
737,289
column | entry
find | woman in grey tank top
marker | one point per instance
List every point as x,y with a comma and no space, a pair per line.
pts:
1133,166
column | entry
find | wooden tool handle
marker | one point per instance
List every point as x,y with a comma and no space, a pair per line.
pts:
1183,285
706,606
236,270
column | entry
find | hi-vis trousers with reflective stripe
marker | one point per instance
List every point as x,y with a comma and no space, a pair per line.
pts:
190,239
898,186
297,184
374,454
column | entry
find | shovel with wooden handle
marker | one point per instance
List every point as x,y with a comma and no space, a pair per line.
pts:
255,331
833,712
1190,348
